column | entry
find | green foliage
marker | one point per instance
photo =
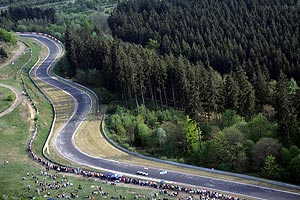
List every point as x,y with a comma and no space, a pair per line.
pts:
116,124
18,13
294,151
6,98
89,77
152,44
10,98
174,144
249,144
283,106
231,93
259,127
52,17
106,96
229,149
6,36
151,119
143,135
3,54
293,86
271,168
263,148
161,135
139,127
294,167
246,96
229,118
192,136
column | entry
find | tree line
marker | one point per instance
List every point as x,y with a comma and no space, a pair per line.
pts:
142,76
18,13
232,144
222,34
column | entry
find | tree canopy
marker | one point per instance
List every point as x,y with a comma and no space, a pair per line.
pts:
226,34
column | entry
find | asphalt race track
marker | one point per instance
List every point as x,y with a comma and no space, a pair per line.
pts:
64,144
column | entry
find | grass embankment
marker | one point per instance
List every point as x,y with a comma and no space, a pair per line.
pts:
7,98
15,131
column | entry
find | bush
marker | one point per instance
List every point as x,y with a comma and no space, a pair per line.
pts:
7,36
10,98
105,96
3,53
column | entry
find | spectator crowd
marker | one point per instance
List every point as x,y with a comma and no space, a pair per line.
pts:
169,190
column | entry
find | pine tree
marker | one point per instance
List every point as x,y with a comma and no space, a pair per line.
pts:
246,97
231,93
262,92
70,48
283,108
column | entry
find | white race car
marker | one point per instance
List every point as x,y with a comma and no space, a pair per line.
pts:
142,173
163,171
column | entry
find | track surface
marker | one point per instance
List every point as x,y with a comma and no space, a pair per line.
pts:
66,147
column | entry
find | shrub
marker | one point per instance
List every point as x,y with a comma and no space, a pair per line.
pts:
3,53
10,98
7,36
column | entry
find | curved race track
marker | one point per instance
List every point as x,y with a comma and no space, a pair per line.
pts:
65,145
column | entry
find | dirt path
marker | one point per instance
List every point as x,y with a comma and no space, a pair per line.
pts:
16,53
18,100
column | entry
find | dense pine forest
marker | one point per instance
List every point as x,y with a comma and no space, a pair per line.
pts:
223,34
18,13
231,67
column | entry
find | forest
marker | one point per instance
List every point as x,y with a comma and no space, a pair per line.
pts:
233,120
18,13
222,34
